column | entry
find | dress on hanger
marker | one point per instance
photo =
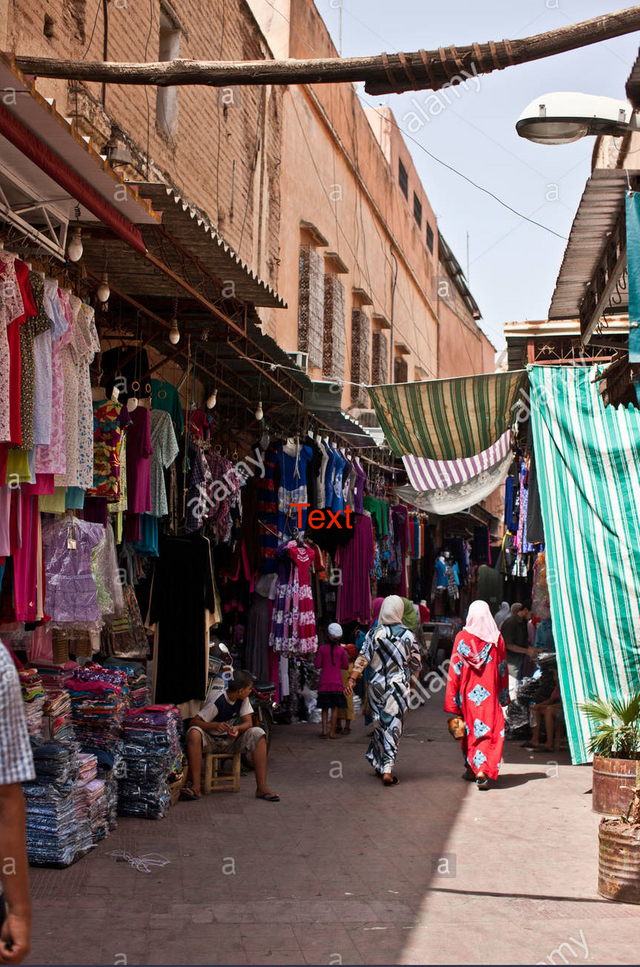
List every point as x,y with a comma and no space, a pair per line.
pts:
293,624
51,457
293,460
110,418
165,451
11,308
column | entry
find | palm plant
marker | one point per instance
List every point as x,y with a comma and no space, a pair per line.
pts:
615,726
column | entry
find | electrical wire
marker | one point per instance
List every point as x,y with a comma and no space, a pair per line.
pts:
93,29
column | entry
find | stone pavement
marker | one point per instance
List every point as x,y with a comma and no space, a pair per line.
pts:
343,870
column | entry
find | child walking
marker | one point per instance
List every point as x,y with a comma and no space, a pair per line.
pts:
331,659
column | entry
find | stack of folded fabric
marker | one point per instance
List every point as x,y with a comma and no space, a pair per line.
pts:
56,722
33,697
150,748
136,680
97,708
58,829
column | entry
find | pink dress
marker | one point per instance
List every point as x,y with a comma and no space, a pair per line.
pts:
304,616
139,450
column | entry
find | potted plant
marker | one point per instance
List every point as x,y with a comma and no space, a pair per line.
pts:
619,855
615,745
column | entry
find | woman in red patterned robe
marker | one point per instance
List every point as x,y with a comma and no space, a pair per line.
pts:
477,690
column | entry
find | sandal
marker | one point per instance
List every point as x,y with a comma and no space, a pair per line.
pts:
323,735
336,735
394,781
482,783
268,797
187,794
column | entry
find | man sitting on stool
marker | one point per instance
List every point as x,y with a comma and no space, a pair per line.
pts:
212,730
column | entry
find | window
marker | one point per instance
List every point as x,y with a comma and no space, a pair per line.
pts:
379,358
333,355
311,304
360,355
400,370
430,238
403,179
167,97
417,209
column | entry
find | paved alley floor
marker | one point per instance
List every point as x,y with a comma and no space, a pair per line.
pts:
344,871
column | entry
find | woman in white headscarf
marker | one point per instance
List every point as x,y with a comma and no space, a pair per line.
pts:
477,690
391,652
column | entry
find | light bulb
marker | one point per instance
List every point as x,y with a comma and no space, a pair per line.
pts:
75,248
212,400
259,414
104,291
174,333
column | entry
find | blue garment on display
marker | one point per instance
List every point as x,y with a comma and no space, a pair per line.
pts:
337,500
441,574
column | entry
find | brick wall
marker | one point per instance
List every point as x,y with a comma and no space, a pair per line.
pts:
214,129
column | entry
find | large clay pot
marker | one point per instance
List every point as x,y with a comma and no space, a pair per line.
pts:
613,783
619,860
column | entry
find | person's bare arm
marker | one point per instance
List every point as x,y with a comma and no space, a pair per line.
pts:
220,728
246,723
16,931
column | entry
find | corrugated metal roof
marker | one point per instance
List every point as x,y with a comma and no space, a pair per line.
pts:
191,226
597,214
43,119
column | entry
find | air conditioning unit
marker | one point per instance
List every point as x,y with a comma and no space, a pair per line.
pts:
301,360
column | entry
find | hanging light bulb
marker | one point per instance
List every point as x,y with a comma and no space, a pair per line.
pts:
174,332
75,248
259,414
212,400
104,291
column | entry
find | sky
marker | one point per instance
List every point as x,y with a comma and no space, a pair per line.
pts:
513,265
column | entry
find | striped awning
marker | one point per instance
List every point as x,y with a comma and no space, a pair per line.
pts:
459,496
588,460
447,419
426,474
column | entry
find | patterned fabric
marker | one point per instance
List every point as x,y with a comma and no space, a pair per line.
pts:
391,655
110,417
11,307
439,474
458,497
41,390
165,450
476,689
447,419
52,457
293,624
588,457
77,354
16,759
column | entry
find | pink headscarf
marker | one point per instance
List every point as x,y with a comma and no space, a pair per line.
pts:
375,608
480,622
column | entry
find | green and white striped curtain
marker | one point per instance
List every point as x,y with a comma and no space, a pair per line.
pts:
446,419
588,463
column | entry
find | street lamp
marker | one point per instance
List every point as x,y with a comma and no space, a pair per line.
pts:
564,117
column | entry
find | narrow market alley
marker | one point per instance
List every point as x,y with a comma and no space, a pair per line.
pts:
343,871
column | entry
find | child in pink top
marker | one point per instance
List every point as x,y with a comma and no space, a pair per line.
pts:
331,658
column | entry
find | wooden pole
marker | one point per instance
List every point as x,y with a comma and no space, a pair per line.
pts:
383,74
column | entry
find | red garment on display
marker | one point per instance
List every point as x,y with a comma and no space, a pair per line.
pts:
139,450
15,355
477,688
25,561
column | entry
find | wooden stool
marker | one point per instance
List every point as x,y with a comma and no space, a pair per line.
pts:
215,780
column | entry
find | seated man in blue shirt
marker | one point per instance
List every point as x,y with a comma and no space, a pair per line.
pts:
213,729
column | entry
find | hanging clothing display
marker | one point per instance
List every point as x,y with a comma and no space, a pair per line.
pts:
293,626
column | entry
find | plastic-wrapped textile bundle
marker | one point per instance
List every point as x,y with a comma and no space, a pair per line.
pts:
150,748
58,825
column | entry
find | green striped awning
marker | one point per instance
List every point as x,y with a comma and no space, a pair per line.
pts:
446,419
588,463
